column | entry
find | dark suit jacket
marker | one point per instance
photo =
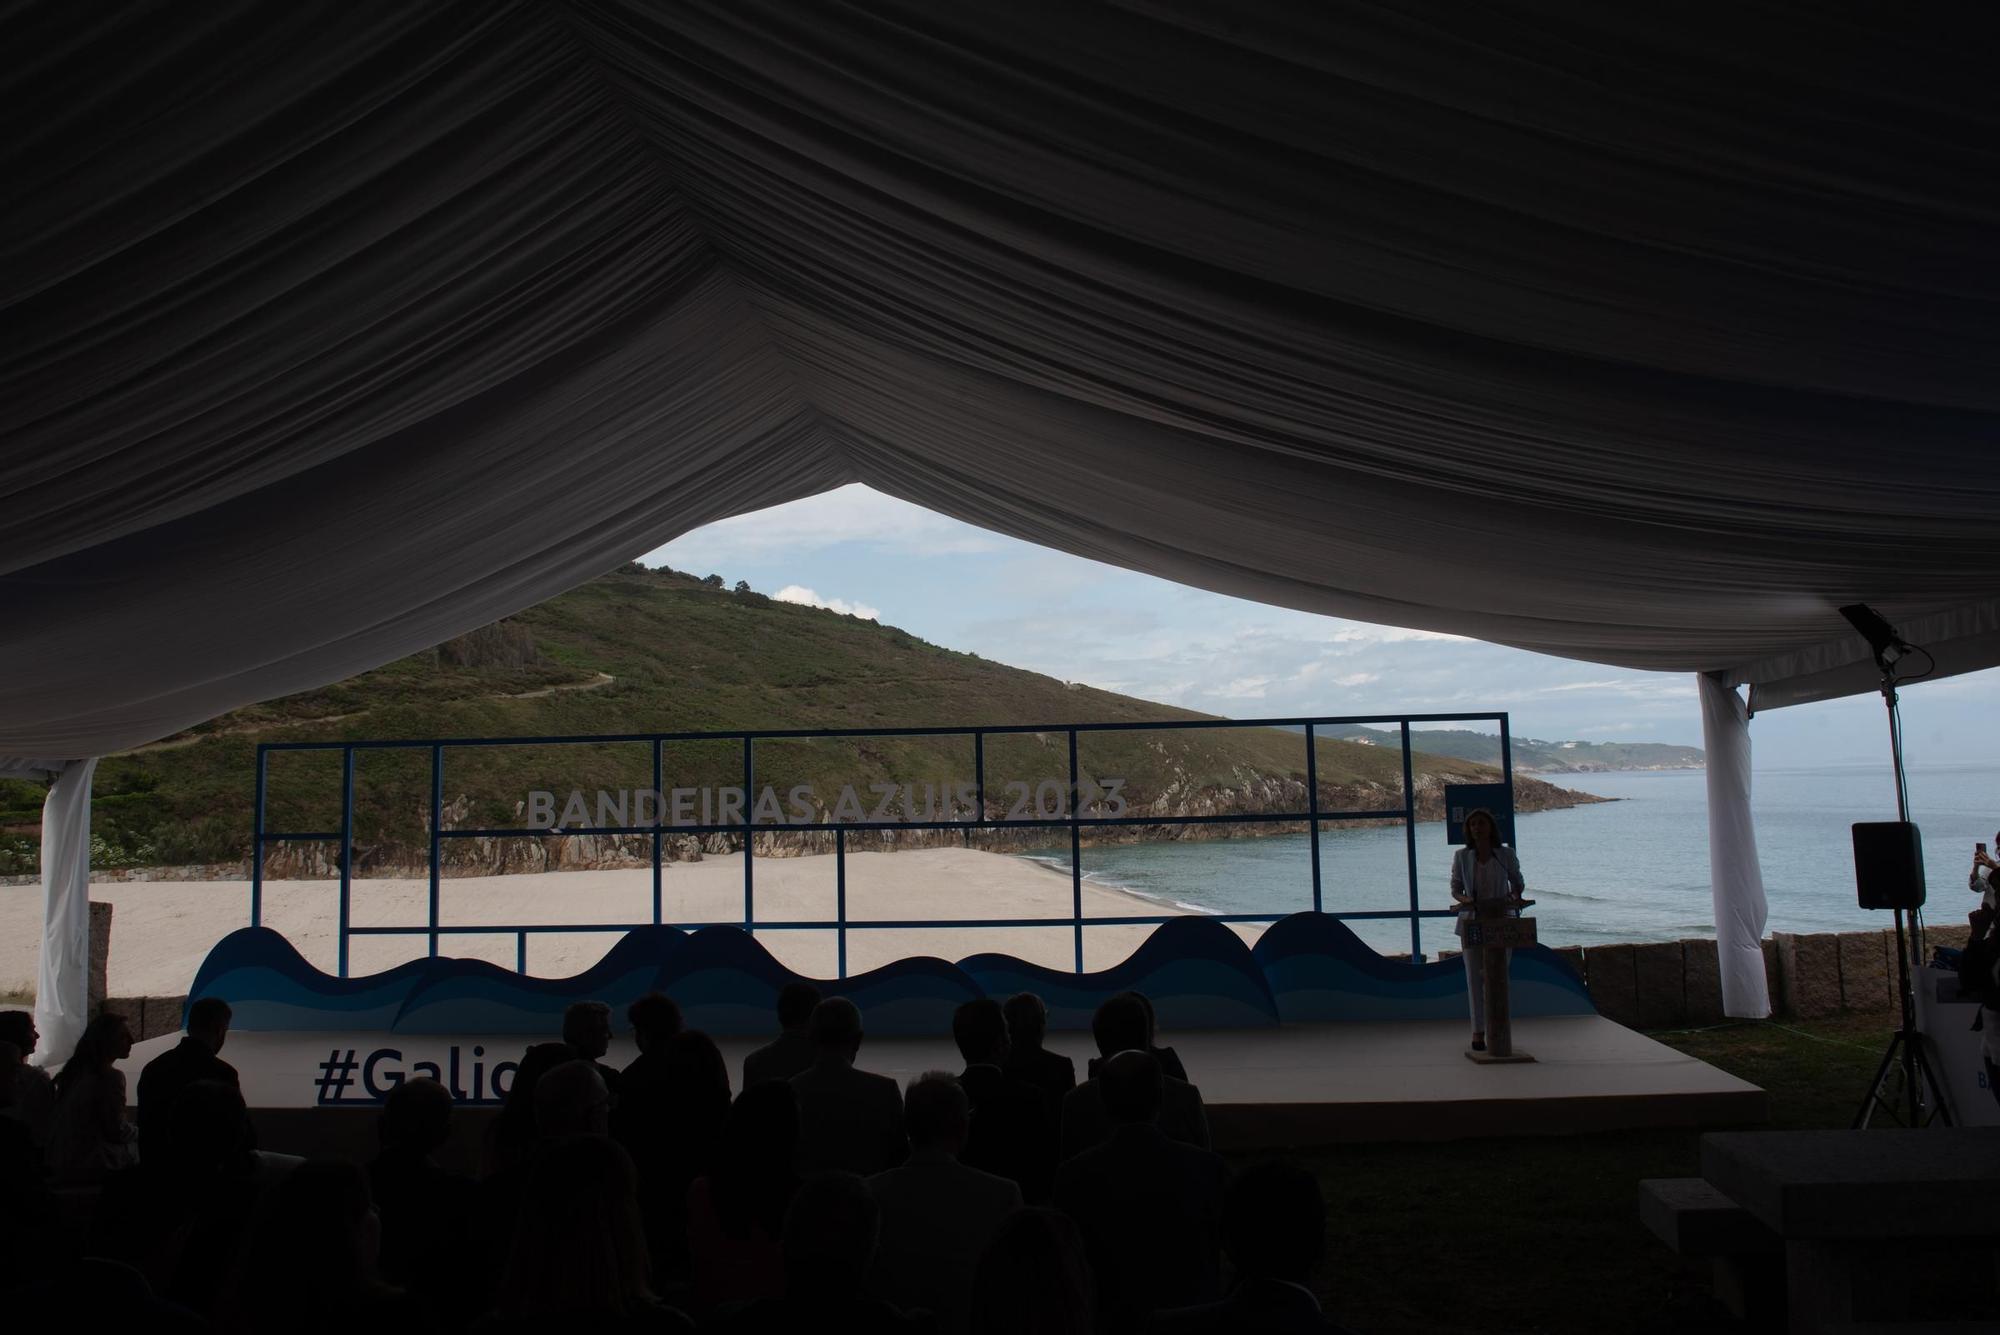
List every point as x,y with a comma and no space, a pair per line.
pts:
1014,1133
161,1083
780,1059
1254,1307
1085,1123
1150,1211
848,1119
1050,1072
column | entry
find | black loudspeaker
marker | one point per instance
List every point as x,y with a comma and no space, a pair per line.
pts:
1888,864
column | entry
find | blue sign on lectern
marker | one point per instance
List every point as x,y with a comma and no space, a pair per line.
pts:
1460,798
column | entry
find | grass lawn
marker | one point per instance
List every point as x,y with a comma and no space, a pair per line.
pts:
1543,1234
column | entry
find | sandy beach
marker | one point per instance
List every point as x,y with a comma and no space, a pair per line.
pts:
161,930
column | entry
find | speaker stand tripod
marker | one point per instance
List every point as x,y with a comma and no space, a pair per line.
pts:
1905,1055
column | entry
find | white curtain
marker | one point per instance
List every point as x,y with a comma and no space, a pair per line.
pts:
62,982
1736,879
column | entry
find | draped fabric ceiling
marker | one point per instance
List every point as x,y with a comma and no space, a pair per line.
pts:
1632,334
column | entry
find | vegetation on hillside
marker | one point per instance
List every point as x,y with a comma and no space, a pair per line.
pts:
655,650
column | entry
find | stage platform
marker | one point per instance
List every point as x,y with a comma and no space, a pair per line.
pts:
1265,1088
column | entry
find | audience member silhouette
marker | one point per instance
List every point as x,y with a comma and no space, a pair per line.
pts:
577,1259
1034,1277
425,1210
1274,1230
572,1100
1014,1126
792,1050
587,1030
1170,1062
849,1119
192,1060
314,1265
646,1087
829,1244
736,1211
1027,1028
938,1215
672,1132
1120,1025
27,1206
34,1102
183,1216
90,1136
525,1125
512,1137
1149,1207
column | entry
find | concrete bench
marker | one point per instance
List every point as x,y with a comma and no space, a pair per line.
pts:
1696,1220
1747,1259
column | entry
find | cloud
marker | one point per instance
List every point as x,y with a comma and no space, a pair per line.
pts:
850,514
800,594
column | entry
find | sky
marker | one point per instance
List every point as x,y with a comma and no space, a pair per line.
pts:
859,551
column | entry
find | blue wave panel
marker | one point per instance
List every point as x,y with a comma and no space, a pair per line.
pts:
454,996
1198,974
270,986
1319,971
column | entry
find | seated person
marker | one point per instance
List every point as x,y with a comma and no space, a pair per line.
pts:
90,1137
1014,1128
1274,1231
576,1260
195,1058
1170,1062
587,1029
33,1105
1120,1025
1149,1208
1027,1027
849,1119
792,1050
1034,1276
424,1209
736,1211
830,1237
938,1215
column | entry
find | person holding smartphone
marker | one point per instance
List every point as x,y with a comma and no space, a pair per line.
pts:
1981,881
1483,871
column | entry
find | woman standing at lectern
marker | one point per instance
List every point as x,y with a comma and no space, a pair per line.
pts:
1482,871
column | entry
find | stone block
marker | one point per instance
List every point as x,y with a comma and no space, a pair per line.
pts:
1701,966
133,1009
1572,956
163,1015
1867,963
1659,983
1774,974
100,953
1810,965
1608,972
1954,935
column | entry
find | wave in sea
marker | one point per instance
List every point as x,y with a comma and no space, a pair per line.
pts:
1110,882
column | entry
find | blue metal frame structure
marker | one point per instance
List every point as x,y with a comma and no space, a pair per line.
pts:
1074,821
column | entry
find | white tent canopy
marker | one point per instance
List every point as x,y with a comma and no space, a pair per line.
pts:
1639,337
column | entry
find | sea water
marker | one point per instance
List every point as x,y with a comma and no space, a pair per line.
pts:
1634,869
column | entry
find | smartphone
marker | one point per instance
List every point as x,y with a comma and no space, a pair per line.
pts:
1981,846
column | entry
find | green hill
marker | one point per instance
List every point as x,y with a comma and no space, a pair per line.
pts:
1531,755
655,650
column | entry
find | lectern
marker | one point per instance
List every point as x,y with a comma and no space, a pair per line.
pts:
1492,931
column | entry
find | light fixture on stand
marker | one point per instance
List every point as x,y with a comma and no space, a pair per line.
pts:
1889,874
